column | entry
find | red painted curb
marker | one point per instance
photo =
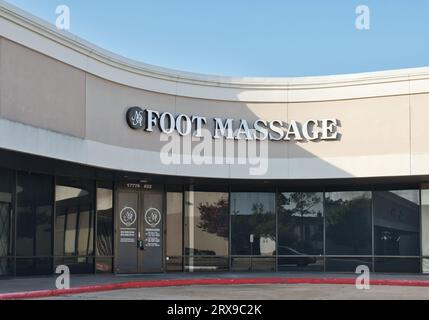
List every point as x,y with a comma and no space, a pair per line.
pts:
191,282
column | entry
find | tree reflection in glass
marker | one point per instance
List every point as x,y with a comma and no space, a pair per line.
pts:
348,223
300,223
206,223
253,218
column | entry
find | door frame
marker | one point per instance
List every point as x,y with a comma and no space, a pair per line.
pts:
140,189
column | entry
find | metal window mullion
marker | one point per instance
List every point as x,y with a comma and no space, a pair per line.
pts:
113,226
372,230
421,230
229,230
92,224
164,228
277,195
54,219
324,228
77,231
15,220
183,226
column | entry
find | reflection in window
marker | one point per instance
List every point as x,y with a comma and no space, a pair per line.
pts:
174,231
34,223
75,220
342,264
5,222
300,223
34,215
398,265
348,223
104,222
253,223
206,226
104,238
425,228
300,231
397,223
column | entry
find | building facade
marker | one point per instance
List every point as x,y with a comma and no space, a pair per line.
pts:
110,165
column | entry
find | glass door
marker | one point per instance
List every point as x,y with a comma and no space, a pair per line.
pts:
139,231
127,237
151,232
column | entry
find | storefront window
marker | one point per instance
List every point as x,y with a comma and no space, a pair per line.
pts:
348,223
34,223
74,233
174,231
206,230
398,265
347,264
253,224
104,244
6,219
397,223
300,230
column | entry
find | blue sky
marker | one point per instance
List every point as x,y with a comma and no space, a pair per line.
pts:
252,38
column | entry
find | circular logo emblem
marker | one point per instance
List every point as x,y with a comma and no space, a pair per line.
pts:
152,217
135,117
128,216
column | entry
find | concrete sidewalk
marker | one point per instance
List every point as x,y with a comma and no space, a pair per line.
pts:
28,284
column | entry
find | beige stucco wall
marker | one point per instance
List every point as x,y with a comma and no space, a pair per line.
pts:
40,91
62,98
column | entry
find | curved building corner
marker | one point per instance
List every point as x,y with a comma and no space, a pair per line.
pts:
111,165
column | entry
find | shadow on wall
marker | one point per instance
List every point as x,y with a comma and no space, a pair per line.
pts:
243,158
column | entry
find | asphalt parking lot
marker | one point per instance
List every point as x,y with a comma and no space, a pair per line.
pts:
260,292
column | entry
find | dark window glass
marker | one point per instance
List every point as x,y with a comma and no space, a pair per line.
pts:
348,223
397,223
300,263
33,266
6,267
34,215
253,223
300,223
104,265
77,265
253,263
206,223
174,263
174,231
6,221
206,263
241,264
74,231
341,264
398,265
104,222
263,264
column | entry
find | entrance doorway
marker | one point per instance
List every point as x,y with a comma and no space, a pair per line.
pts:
139,226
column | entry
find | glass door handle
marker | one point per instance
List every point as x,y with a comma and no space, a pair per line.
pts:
140,244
